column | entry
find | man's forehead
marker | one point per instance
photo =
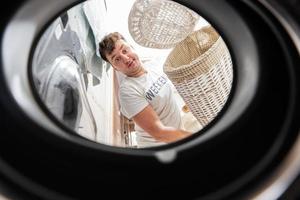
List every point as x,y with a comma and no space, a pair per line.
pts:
118,45
121,42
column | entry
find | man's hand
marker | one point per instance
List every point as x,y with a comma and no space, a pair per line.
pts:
148,120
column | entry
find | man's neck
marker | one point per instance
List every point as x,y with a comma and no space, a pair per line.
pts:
138,72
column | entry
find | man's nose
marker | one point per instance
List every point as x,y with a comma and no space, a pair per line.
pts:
125,58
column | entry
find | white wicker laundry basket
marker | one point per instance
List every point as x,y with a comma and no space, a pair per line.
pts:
200,68
160,23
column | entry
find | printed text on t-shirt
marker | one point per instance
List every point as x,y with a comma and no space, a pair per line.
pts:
155,88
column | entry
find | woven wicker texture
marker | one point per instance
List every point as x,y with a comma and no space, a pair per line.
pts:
160,23
200,68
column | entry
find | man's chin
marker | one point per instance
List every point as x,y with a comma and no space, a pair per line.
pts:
133,66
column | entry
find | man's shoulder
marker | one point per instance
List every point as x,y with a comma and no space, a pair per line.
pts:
127,82
129,85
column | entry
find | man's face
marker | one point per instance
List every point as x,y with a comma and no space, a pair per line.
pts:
124,59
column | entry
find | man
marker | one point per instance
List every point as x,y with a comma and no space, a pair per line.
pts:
145,95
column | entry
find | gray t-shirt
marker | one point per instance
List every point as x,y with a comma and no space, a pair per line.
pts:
152,88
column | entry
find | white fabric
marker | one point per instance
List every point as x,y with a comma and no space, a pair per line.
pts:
151,88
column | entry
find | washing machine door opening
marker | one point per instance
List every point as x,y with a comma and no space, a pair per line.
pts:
51,99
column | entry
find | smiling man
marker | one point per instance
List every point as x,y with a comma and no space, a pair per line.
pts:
145,95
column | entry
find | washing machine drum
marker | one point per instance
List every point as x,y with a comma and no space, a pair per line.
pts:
248,151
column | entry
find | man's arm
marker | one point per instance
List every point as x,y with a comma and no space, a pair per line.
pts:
148,120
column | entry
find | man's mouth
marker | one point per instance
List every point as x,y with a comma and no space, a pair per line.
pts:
130,64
